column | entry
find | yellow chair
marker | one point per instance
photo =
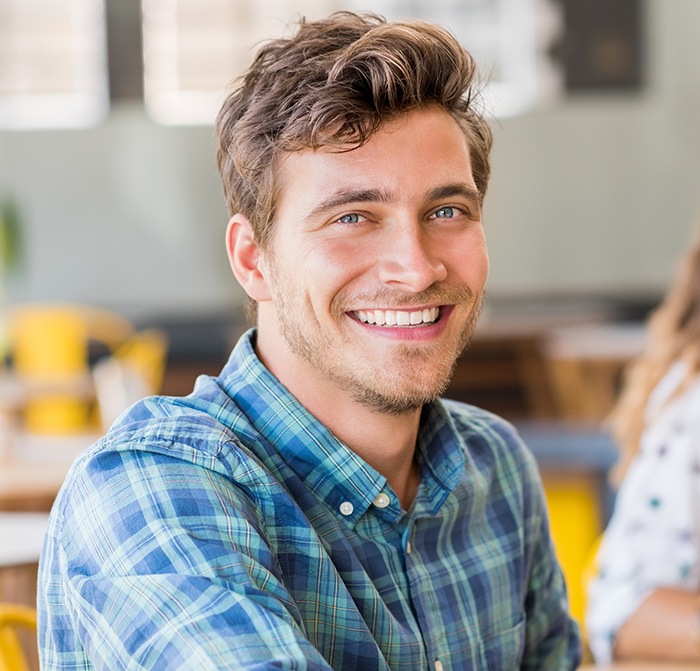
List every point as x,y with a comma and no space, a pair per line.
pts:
50,346
14,619
589,571
590,564
574,515
135,370
145,352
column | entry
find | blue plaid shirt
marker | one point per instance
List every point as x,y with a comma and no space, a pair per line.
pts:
230,530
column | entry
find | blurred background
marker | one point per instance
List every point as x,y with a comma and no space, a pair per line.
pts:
110,200
596,162
107,148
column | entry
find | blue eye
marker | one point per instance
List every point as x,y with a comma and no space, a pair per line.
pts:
349,219
446,213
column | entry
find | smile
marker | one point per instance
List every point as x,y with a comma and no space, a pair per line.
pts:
425,317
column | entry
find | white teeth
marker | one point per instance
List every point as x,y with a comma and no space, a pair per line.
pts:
398,317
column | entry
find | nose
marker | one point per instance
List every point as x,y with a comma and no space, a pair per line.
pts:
411,260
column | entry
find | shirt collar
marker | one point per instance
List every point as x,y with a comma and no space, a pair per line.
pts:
440,451
330,468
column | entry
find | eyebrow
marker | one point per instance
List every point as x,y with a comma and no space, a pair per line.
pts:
456,189
346,196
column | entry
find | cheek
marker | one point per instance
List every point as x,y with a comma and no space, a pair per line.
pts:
471,261
485,265
314,276
336,262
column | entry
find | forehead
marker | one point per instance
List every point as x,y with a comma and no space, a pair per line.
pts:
413,155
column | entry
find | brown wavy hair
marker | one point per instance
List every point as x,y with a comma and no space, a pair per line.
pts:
335,83
673,335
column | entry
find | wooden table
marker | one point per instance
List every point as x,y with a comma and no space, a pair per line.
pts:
22,538
586,364
523,361
33,467
32,470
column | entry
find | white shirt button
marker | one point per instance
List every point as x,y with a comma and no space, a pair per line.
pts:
408,547
439,666
382,500
346,508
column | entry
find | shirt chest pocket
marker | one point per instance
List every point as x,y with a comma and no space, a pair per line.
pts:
503,650
500,651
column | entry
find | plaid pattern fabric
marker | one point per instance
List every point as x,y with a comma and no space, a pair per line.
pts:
230,530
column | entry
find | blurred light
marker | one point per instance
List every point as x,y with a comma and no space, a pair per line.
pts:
53,69
193,49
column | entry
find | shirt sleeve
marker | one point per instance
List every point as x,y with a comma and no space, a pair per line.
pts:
160,569
553,639
652,538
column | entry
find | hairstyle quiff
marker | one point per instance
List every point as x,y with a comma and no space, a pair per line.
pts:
335,83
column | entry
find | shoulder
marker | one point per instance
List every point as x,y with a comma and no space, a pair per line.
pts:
497,464
168,481
484,432
672,429
167,450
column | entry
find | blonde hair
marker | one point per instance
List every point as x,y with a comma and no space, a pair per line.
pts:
674,335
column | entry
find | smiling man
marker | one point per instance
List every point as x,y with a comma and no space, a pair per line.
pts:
318,506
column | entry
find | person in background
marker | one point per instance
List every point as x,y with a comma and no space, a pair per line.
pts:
645,599
317,506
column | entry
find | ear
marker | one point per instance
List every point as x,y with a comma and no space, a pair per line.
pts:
244,255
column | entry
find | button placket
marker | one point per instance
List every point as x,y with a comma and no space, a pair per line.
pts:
407,535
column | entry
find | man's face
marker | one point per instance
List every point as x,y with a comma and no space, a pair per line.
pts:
376,266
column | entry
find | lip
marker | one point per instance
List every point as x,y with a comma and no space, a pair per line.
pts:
407,333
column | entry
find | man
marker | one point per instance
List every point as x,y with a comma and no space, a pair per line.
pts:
316,506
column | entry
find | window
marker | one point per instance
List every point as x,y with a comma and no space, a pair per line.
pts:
509,39
194,48
52,63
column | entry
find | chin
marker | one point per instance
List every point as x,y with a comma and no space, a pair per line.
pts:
397,398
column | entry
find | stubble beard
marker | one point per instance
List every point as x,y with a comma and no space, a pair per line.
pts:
422,372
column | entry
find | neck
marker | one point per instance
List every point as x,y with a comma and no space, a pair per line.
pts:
386,442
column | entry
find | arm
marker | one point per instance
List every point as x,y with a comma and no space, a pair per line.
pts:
161,564
552,635
648,559
665,626
553,640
